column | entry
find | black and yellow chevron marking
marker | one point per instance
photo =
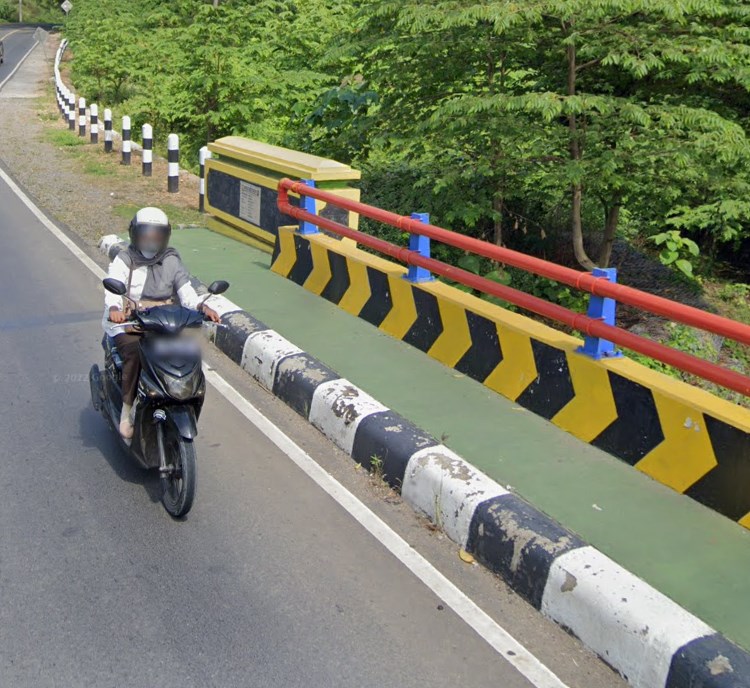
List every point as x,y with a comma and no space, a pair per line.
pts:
660,426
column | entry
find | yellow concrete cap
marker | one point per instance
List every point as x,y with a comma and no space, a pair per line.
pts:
283,160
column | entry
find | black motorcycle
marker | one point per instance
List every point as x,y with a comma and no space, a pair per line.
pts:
170,394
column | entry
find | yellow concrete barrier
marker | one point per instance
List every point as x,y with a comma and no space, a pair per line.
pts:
241,187
681,436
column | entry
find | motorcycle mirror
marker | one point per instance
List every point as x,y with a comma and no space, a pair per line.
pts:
114,286
218,287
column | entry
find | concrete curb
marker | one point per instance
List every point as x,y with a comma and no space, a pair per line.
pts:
650,640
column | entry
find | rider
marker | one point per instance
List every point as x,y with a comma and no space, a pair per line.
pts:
154,274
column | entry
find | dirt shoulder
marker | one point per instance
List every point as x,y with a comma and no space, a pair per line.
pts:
76,181
93,194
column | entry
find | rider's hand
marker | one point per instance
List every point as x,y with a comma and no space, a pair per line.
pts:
211,314
116,315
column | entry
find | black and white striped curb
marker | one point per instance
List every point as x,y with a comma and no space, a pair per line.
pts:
649,639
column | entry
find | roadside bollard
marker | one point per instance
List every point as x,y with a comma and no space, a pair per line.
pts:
94,123
72,112
173,163
81,116
204,155
147,134
108,131
126,145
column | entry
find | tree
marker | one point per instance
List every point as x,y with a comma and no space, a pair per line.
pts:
603,101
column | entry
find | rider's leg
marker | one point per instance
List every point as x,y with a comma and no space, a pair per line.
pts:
128,347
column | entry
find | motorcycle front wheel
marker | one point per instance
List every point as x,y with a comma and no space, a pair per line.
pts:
178,486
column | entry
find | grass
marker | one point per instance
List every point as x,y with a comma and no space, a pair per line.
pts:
376,468
177,215
97,169
46,116
731,300
64,138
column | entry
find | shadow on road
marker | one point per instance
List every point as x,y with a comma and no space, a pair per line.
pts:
96,432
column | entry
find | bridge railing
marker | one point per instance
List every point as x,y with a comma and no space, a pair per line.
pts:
598,325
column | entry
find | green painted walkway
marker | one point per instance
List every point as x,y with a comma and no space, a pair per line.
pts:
698,558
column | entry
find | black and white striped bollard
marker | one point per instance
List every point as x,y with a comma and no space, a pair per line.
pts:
72,112
204,155
81,116
94,123
148,150
126,145
173,163
107,130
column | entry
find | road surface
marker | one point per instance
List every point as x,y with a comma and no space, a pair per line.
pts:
268,582
17,42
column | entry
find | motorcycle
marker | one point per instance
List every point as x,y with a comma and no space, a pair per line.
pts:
171,390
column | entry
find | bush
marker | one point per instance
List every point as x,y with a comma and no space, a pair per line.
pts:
7,12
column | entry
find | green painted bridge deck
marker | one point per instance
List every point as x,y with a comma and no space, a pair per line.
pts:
698,558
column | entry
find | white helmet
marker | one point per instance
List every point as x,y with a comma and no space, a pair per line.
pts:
150,231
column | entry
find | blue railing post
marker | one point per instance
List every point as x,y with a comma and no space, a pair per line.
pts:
604,309
420,244
307,203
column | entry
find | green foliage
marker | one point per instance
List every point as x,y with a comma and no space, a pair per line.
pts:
42,11
8,13
553,127
544,288
205,71
639,106
677,251
738,295
64,138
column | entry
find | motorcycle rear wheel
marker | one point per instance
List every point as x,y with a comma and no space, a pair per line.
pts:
178,486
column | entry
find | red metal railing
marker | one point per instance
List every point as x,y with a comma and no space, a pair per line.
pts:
597,286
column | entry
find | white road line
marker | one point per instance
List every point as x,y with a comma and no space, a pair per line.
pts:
485,626
18,66
70,245
10,33
500,640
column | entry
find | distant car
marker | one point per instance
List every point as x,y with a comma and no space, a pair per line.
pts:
2,53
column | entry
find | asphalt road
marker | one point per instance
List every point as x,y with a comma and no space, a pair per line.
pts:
17,43
268,582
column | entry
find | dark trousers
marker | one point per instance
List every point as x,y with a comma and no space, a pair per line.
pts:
128,346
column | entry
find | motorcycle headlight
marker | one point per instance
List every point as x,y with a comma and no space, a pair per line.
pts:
183,388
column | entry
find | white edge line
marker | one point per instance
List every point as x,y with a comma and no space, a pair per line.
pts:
484,625
496,636
18,66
